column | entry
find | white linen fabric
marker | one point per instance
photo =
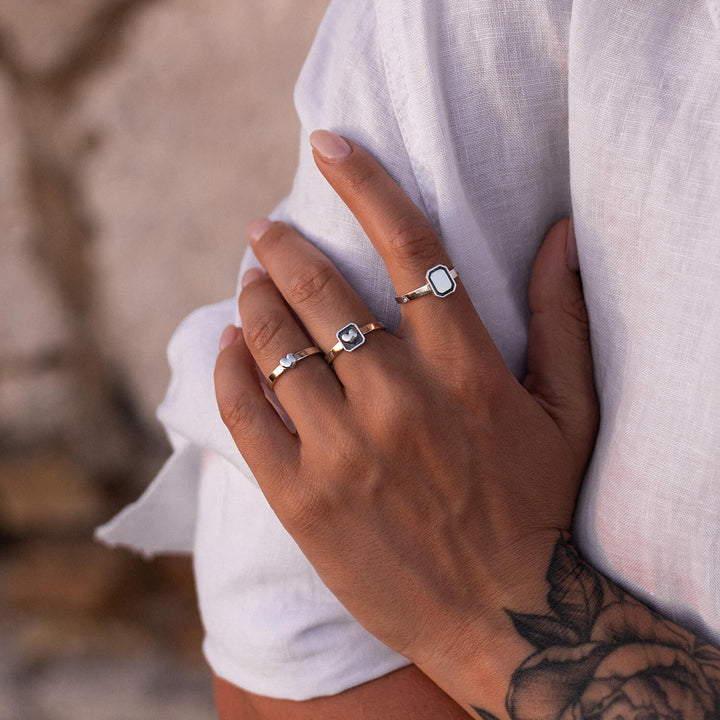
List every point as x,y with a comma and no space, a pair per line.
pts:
498,117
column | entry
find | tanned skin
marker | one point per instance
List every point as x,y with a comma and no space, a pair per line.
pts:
431,490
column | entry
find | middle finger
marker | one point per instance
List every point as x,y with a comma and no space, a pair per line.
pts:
410,248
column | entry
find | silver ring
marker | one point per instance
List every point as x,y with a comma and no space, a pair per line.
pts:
350,338
440,282
290,361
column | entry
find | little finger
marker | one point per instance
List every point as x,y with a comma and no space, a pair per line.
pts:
261,436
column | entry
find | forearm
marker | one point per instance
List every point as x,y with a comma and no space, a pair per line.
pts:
588,651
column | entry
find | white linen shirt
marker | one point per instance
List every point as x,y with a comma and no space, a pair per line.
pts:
497,117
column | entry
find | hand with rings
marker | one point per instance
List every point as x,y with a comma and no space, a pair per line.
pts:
424,482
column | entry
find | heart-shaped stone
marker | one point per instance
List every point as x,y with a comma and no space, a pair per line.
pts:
349,336
288,361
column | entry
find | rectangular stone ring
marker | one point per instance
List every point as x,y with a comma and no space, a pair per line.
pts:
440,282
350,338
289,362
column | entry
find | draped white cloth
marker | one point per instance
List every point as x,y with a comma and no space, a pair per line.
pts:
498,117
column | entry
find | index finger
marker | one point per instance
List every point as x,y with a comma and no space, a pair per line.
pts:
404,237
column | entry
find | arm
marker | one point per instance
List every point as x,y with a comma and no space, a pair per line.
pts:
432,491
592,651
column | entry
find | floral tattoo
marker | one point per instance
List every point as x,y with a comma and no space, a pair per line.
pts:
600,655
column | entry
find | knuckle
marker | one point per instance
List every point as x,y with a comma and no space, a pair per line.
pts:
482,390
260,332
344,453
300,505
312,283
396,396
338,446
237,412
412,237
400,389
392,420
309,507
308,512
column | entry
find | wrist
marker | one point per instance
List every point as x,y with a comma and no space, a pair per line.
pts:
591,650
475,654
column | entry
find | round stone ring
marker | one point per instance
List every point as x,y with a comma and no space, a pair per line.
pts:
289,362
440,282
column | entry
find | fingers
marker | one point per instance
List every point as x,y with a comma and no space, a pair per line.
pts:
313,287
559,360
398,229
271,332
259,433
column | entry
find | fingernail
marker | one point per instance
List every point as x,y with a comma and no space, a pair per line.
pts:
228,337
251,275
571,253
332,147
257,228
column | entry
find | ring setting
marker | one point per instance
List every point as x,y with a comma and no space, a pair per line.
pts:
350,338
440,282
290,361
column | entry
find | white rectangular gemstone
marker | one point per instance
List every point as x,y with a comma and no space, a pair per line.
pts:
440,280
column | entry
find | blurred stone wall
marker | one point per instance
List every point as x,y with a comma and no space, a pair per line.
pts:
137,138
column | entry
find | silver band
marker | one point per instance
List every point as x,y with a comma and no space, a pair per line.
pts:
290,361
350,338
440,282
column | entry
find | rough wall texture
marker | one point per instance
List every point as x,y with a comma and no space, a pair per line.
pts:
137,138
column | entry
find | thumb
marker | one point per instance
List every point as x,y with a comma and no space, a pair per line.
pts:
559,361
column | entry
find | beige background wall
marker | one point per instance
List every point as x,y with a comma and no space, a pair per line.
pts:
137,138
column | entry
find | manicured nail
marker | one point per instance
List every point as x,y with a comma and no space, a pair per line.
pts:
332,147
571,253
228,337
257,228
251,275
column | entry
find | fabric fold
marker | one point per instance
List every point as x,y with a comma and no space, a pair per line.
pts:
163,519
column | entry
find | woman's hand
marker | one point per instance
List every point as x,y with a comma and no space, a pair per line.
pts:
424,483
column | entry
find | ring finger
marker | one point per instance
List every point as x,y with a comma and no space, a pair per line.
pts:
273,334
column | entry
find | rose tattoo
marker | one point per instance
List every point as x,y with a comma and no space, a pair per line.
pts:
600,655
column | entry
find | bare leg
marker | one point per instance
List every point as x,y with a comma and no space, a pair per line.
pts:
405,693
